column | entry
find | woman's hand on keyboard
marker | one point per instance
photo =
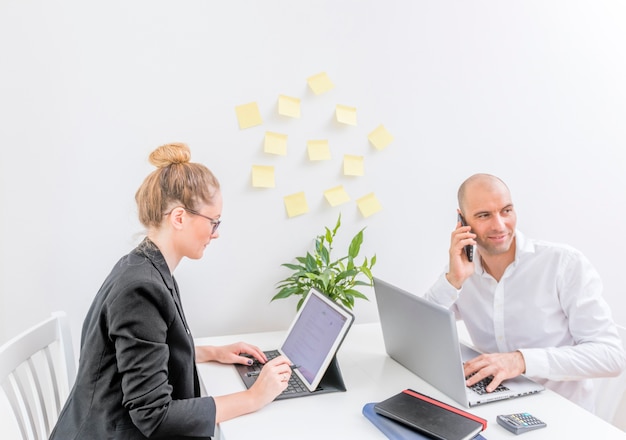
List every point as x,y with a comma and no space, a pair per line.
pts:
230,354
272,380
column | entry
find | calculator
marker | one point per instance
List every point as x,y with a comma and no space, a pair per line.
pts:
519,423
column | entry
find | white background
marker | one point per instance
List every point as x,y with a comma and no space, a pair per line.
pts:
531,91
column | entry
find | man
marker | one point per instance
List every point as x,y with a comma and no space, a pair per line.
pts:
532,307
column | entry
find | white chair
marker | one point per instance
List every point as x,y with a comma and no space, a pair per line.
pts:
37,370
611,395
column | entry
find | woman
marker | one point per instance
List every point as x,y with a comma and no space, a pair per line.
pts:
137,377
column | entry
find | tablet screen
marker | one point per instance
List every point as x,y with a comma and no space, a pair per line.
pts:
315,335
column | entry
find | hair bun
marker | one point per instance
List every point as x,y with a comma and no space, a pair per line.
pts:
165,155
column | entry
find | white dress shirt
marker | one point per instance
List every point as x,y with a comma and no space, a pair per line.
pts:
549,306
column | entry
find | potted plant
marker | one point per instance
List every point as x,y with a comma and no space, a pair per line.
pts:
336,279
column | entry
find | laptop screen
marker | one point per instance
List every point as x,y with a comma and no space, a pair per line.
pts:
315,335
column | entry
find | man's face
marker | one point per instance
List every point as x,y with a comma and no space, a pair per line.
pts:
488,209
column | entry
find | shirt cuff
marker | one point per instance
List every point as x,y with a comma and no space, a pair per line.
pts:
536,360
444,293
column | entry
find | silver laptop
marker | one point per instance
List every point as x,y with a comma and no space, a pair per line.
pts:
422,336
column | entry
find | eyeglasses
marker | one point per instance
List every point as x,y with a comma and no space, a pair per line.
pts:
215,223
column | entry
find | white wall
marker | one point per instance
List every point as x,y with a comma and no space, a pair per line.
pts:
532,91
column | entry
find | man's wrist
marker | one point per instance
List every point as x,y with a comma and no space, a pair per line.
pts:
453,282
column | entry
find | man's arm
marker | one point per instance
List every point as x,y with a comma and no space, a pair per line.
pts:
446,289
597,349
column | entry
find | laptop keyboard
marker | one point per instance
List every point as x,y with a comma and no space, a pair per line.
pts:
481,387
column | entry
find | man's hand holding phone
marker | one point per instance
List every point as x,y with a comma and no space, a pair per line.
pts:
461,250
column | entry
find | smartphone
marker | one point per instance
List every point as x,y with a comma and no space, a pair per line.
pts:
469,249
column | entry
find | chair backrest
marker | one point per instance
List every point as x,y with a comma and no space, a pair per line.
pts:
37,370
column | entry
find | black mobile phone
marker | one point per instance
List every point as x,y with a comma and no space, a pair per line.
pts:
469,249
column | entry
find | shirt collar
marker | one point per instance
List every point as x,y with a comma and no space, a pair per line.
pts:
522,245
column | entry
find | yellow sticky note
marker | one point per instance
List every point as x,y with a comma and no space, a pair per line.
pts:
320,83
380,138
263,176
353,165
346,114
289,106
275,143
369,205
336,196
248,115
318,150
296,204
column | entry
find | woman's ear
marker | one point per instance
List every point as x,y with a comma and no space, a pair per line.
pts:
176,217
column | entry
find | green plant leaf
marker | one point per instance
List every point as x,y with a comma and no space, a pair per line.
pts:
325,278
350,265
355,245
362,283
337,225
293,266
300,303
329,236
346,274
348,301
355,293
325,255
310,263
286,292
367,272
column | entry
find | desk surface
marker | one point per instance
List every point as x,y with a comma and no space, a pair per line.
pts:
371,376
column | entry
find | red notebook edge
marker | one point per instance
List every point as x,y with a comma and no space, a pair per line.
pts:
439,403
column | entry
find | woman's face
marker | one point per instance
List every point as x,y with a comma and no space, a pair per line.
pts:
201,227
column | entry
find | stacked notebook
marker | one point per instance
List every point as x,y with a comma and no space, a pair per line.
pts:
412,415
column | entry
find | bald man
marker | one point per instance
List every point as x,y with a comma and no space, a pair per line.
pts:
531,307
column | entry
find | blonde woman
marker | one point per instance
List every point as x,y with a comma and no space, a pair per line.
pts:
137,377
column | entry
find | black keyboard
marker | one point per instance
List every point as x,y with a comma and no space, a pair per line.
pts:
481,387
294,386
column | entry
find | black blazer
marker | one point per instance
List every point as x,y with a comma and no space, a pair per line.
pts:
137,375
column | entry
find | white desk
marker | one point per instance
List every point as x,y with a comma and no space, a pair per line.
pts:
371,376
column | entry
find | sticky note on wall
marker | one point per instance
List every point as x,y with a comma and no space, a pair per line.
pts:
345,114
369,205
275,143
248,115
289,106
296,204
336,196
380,137
353,165
318,150
320,83
263,176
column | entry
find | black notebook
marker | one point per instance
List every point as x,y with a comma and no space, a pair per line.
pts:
430,416
395,430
